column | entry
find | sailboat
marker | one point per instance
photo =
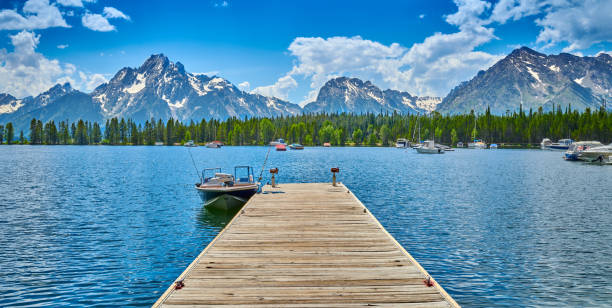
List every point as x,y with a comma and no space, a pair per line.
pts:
476,143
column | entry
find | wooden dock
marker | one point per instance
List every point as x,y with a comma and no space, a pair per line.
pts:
304,245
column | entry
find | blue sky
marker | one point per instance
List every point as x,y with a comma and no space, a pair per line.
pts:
288,49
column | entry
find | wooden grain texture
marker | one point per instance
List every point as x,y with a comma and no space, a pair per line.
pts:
304,245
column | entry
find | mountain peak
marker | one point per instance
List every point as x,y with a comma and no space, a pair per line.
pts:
155,62
524,51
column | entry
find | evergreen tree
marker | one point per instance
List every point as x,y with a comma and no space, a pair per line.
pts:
10,133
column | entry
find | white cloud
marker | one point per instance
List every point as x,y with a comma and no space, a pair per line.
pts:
280,89
62,46
38,14
580,25
90,82
221,4
506,10
421,16
25,72
73,3
244,86
111,12
97,22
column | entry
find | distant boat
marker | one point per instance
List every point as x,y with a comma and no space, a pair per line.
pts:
190,144
281,147
578,147
597,154
213,145
429,147
296,146
277,142
477,144
459,144
224,191
327,144
493,146
401,143
158,143
562,145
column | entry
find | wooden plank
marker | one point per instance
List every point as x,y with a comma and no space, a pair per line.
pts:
304,245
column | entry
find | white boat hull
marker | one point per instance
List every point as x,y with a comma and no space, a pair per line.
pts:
423,150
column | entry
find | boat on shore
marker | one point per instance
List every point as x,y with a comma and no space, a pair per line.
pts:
600,154
460,144
578,147
277,142
281,147
296,146
402,143
493,146
327,144
190,144
429,147
224,191
561,145
477,144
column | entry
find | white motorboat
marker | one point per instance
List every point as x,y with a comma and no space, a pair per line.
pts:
401,143
600,154
578,147
277,142
429,147
190,144
561,145
477,144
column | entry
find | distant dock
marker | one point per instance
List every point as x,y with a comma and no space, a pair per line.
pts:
304,245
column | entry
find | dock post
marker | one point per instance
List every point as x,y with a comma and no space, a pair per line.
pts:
334,171
273,171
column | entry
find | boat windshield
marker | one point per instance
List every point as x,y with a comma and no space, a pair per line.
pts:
209,173
243,174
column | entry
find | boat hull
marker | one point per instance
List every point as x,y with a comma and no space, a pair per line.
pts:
224,199
429,151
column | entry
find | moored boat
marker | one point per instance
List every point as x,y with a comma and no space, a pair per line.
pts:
429,147
578,147
601,154
277,142
327,144
190,144
281,147
402,143
493,146
477,144
213,145
296,146
561,145
225,191
460,144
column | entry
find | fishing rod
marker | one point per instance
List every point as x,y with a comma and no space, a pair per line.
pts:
194,165
264,164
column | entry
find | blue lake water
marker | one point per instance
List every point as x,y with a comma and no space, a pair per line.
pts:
101,226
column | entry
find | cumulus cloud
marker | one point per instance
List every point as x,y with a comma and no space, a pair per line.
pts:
74,3
279,89
96,22
580,25
62,46
37,14
25,72
111,12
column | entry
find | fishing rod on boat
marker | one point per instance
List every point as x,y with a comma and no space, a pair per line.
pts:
264,164
194,165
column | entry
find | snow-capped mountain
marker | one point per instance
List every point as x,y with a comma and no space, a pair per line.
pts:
159,88
345,94
535,80
162,89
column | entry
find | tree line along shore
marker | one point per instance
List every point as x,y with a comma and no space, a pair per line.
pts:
518,129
